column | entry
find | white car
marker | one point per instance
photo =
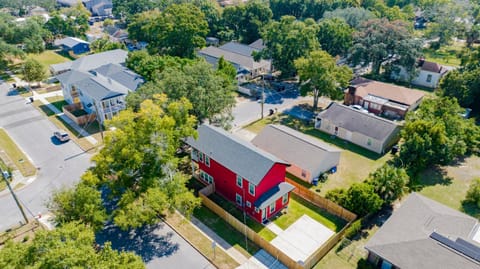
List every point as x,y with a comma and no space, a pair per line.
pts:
359,108
61,136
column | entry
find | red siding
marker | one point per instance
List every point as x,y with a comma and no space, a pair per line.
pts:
226,185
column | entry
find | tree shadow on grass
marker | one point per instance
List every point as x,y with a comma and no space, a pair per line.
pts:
430,177
149,242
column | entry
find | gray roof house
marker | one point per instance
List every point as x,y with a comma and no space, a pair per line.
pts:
89,62
101,91
240,171
73,44
309,157
240,55
425,234
364,129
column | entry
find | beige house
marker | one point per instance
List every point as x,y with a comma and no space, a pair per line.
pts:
308,156
363,129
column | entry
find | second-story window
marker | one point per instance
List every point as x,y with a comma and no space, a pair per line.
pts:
251,189
207,161
239,181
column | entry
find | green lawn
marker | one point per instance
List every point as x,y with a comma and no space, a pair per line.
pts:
298,207
447,55
356,163
448,185
238,214
48,58
225,231
19,159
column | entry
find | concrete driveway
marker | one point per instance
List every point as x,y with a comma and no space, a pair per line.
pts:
57,164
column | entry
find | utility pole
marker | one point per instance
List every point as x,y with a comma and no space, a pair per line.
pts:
98,119
263,95
15,198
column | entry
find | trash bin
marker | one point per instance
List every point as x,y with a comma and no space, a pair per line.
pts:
315,182
31,99
394,149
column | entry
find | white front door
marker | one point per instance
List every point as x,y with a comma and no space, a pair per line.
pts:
264,214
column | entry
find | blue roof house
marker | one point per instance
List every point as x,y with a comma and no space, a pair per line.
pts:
73,44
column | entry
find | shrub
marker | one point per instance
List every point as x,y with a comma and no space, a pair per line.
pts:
354,229
360,198
389,182
473,193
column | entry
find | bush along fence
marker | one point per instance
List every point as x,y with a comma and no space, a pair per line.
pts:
267,246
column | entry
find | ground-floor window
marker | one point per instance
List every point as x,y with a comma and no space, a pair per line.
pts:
285,198
238,199
249,204
272,207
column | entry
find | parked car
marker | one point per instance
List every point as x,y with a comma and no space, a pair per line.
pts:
62,136
360,108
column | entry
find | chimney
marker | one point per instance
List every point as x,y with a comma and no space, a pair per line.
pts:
352,89
421,61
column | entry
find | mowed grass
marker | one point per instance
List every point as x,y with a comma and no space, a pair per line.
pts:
15,155
447,55
298,207
356,163
48,57
449,185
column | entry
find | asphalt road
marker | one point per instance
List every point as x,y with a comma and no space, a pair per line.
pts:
158,245
62,165
57,164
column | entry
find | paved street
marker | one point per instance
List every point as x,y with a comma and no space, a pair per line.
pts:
58,164
158,245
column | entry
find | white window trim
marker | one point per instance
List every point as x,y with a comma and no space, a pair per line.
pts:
241,181
285,198
249,204
238,197
272,208
250,184
207,161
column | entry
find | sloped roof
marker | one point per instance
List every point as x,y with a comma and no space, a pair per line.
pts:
297,148
238,48
237,155
100,89
72,76
236,58
121,75
70,42
433,67
358,121
405,238
273,194
93,61
257,44
391,92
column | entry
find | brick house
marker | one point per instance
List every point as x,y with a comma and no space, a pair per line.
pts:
382,98
249,177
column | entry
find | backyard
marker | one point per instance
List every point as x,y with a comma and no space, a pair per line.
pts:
48,57
447,55
356,163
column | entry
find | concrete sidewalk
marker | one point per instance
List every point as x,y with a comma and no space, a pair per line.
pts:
43,98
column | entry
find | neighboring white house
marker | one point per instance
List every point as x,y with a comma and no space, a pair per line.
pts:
364,129
240,55
429,74
100,91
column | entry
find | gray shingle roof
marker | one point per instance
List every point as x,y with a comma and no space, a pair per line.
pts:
99,89
72,76
404,239
239,48
297,148
257,44
121,75
360,122
235,58
237,155
93,61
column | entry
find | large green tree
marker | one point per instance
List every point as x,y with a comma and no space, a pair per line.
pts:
247,20
104,44
210,93
436,134
320,76
287,40
69,21
335,36
178,30
353,16
6,51
138,163
381,41
69,246
33,70
81,203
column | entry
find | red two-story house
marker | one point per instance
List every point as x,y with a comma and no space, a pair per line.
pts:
240,172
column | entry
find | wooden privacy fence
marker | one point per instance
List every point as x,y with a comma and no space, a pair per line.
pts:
322,202
304,193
